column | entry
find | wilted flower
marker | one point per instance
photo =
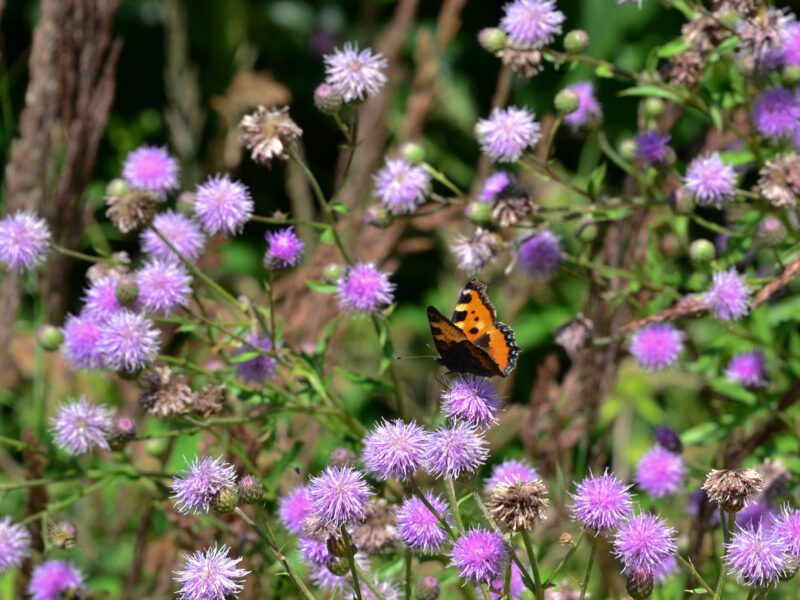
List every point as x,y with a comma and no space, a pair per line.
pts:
259,367
733,489
749,369
601,502
474,252
657,346
210,575
643,542
574,335
339,495
510,471
473,400
294,509
507,133
729,297
163,286
652,147
81,334
779,180
394,449
80,427
660,472
418,527
512,204
540,256
182,232
525,62
776,113
762,33
269,133
480,555
452,451
24,240
531,24
15,544
128,341
363,288
588,111
378,530
152,169
756,556
355,74
400,186
195,490
52,578
223,205
130,209
166,394
711,181
686,69
518,506
284,249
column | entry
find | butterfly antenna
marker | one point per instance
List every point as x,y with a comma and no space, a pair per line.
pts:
414,357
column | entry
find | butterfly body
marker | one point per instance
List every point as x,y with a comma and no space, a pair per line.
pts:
473,340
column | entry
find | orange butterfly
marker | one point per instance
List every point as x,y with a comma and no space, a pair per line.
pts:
474,341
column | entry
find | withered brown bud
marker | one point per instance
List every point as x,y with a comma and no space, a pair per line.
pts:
733,489
518,506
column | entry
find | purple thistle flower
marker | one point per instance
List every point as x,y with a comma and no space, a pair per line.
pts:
601,502
776,113
540,256
100,300
656,347
15,544
182,232
259,368
294,508
643,542
339,495
665,568
480,556
729,296
81,334
79,427
163,286
400,186
710,180
284,249
210,575
791,45
660,472
494,184
757,557
472,400
418,527
510,471
756,514
327,581
787,529
454,450
24,240
394,449
507,132
355,74
588,110
223,205
516,586
531,24
128,341
198,485
53,577
314,552
363,288
151,169
749,369
652,148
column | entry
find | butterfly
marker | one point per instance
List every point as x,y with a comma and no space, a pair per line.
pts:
473,340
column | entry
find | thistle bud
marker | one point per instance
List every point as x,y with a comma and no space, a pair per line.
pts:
771,232
791,74
124,431
333,273
49,337
339,567
251,490
343,457
413,152
62,535
587,231
566,101
127,291
627,149
337,546
428,588
227,500
117,187
640,583
479,212
728,18
518,506
492,39
576,41
653,108
733,489
327,100
378,216
702,252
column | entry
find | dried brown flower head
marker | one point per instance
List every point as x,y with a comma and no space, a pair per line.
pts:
269,133
518,506
474,252
210,400
166,394
565,539
319,530
762,33
733,489
780,180
118,265
704,33
575,334
512,204
378,531
685,69
526,63
131,210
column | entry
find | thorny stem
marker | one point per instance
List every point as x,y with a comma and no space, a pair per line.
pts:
588,575
351,558
537,580
450,490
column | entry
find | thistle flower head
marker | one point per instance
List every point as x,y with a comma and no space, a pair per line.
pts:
518,506
643,542
652,147
151,169
510,471
757,557
15,544
602,502
355,74
400,186
284,249
779,180
759,513
197,487
24,240
81,334
259,367
269,133
660,472
480,556
474,252
378,530
51,579
471,400
507,133
128,341
588,110
776,113
787,529
748,369
100,299
657,346
182,232
710,180
729,297
541,256
315,553
394,449
418,527
163,286
339,495
733,489
531,24
363,288
294,508
223,205
455,450
210,574
79,427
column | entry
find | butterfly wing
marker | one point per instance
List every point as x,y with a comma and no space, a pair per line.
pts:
457,352
476,316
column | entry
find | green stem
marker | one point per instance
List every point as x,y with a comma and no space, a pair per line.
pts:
272,221
408,558
588,575
537,580
450,490
727,520
690,567
78,255
351,558
442,178
365,577
563,561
